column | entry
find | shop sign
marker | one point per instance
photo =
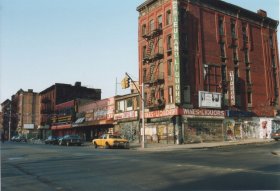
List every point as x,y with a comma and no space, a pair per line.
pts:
232,87
161,113
210,99
203,112
28,126
125,115
176,51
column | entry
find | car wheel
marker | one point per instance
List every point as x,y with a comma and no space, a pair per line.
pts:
95,145
276,139
107,146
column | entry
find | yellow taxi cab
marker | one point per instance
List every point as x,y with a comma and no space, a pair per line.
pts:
110,141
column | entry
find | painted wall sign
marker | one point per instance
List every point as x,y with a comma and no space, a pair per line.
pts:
176,51
232,87
210,99
125,115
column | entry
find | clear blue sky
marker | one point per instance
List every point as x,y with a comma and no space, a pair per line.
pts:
62,41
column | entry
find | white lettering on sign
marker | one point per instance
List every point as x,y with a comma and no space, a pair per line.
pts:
125,115
204,112
232,88
176,46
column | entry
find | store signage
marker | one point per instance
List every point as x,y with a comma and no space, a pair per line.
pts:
162,113
203,112
125,115
232,87
28,126
209,99
176,51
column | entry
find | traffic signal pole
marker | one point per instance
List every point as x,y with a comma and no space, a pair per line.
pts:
143,108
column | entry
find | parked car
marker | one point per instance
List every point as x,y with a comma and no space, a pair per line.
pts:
110,141
70,140
19,138
14,138
276,135
52,140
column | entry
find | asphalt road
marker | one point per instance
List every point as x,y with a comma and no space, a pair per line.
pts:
47,167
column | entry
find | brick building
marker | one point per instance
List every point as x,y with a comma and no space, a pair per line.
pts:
60,93
6,117
203,62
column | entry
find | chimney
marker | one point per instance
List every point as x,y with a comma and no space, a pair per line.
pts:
262,13
78,84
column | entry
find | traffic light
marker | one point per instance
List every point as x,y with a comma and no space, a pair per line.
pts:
125,83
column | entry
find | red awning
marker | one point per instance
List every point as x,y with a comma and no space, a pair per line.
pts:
57,127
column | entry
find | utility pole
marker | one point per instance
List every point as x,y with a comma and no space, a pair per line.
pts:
143,108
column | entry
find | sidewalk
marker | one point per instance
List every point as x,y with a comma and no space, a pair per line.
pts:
154,147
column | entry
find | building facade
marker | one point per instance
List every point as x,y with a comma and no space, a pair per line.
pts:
126,117
27,112
61,93
6,118
210,69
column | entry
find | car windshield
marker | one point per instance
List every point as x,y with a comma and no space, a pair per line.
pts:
115,137
74,136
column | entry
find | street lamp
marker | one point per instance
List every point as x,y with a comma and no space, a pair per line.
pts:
10,118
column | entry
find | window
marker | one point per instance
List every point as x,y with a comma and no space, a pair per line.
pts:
248,76
144,51
160,21
168,17
129,104
221,25
235,57
152,68
246,57
153,97
160,46
170,94
212,77
161,71
233,29
249,97
121,106
144,74
222,46
152,25
169,68
224,78
169,41
244,33
144,30
145,98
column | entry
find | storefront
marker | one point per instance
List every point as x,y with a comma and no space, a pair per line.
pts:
127,125
202,125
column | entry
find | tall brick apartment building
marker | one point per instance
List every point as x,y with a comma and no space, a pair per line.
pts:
210,69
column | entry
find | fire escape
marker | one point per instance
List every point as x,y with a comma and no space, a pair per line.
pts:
153,66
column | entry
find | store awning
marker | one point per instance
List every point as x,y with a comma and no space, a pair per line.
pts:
80,120
58,127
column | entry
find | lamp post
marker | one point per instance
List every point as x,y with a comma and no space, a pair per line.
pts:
10,118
